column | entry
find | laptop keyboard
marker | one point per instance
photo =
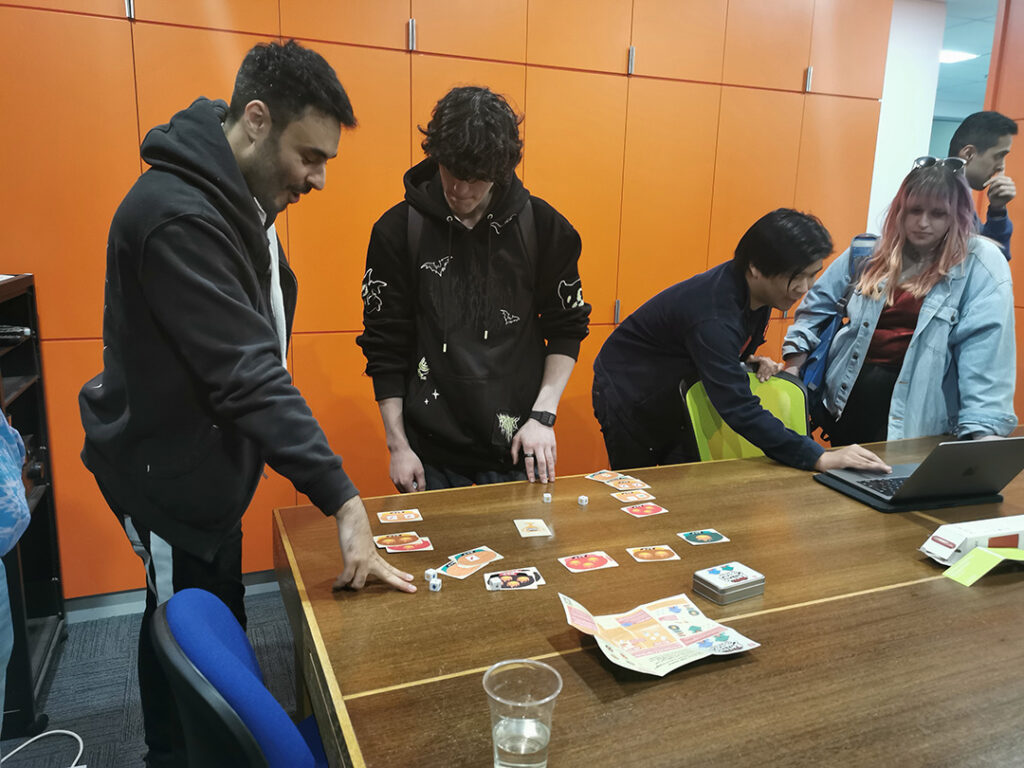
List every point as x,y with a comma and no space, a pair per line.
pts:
884,485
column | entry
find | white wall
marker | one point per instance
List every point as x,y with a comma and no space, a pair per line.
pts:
908,98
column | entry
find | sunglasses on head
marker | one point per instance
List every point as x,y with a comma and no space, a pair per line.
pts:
955,164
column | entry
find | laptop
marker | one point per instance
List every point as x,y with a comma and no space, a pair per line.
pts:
953,474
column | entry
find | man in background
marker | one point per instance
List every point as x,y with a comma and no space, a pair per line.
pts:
194,395
473,309
983,140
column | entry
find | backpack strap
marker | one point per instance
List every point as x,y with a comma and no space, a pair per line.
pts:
861,247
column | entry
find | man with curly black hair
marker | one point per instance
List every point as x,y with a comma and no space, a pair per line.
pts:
473,308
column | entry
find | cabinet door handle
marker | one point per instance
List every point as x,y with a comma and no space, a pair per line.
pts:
631,63
412,34
616,318
808,79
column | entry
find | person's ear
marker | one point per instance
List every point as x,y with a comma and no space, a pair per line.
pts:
754,272
256,120
967,152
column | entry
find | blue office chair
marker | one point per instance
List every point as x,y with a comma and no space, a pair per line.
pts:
228,716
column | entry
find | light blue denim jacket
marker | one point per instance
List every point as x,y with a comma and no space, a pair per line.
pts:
959,371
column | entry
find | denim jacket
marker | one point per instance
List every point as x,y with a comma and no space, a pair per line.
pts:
959,371
14,514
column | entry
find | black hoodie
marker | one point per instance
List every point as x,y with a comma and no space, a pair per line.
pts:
460,329
193,397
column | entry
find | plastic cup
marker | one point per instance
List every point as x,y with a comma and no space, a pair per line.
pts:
522,696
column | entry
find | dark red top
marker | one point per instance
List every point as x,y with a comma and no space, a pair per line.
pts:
894,330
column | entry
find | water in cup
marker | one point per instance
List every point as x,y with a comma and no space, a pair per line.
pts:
520,743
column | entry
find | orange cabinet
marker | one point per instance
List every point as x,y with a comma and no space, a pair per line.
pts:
580,445
258,16
329,229
849,41
328,370
756,162
669,171
113,8
434,76
1015,170
381,23
95,554
579,34
767,44
574,162
837,155
66,167
1005,92
168,81
470,28
681,39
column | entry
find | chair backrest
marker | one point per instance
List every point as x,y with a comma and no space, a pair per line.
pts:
783,395
228,715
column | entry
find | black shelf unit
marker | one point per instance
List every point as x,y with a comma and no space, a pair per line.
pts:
33,566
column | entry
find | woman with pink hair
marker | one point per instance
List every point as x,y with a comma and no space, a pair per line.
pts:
928,345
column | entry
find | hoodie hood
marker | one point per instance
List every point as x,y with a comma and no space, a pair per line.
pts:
424,192
193,147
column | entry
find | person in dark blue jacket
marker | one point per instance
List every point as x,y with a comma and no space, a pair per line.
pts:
983,141
706,328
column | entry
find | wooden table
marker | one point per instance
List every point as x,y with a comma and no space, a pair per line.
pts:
868,655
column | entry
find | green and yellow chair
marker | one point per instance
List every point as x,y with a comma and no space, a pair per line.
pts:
783,395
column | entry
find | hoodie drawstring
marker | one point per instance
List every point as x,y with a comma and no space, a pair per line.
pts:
487,278
444,315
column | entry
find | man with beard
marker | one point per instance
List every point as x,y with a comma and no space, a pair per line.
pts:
194,396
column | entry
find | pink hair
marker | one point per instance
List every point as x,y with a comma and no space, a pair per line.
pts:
936,183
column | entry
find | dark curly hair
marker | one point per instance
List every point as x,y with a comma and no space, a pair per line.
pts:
474,133
289,78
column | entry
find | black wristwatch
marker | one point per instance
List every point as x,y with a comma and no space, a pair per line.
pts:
547,418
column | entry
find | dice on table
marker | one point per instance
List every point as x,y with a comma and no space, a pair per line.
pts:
435,584
583,501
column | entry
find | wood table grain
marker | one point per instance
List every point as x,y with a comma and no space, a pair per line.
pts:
868,655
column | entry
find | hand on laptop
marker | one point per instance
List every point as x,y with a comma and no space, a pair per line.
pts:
851,457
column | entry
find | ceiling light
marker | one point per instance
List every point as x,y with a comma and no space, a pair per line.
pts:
954,57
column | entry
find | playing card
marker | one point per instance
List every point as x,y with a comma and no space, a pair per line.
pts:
420,545
520,578
589,561
395,539
400,516
631,497
644,510
626,483
532,527
729,575
655,554
469,562
704,536
604,475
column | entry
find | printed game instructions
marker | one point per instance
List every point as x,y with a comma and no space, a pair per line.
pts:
657,637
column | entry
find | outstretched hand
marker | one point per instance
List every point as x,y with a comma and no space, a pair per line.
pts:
539,448
851,457
766,367
360,554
